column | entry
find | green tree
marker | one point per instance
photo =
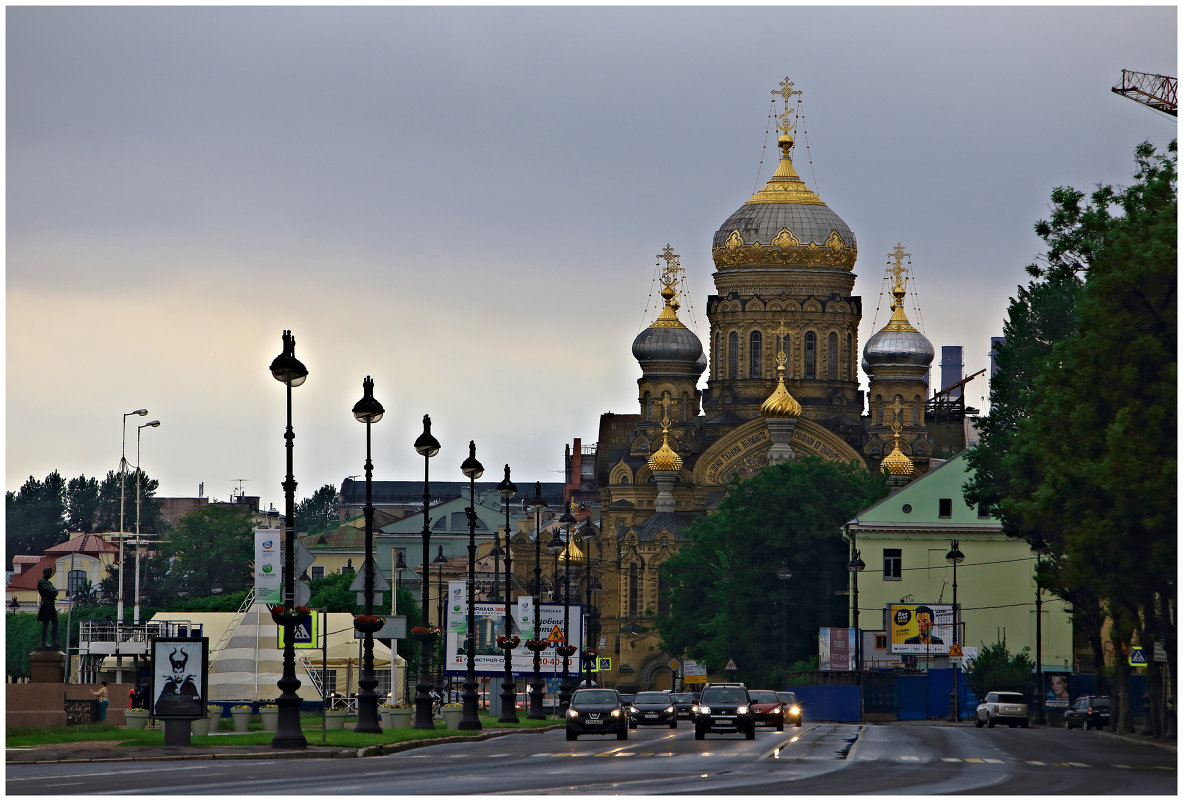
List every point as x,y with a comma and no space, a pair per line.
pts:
82,504
35,516
22,634
997,669
725,597
320,512
211,548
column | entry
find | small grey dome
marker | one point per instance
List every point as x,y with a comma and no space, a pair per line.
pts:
669,344
897,349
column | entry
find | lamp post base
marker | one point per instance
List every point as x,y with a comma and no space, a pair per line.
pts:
469,718
537,692
509,697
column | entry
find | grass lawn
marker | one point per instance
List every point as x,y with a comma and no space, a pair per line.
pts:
310,724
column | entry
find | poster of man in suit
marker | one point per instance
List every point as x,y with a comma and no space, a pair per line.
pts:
179,677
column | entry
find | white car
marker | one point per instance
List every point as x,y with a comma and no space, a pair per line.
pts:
1002,707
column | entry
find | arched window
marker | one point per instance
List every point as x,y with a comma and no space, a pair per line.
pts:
832,356
849,357
717,357
810,355
663,603
755,354
634,590
733,355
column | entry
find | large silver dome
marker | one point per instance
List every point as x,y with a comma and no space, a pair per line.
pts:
893,348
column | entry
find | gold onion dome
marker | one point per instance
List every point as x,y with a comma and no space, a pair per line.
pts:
664,457
780,403
785,222
896,463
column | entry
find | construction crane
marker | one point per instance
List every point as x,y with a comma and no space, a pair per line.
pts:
1159,92
943,406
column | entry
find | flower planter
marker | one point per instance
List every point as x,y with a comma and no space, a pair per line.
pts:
270,718
397,718
452,717
242,720
136,718
199,727
335,718
369,626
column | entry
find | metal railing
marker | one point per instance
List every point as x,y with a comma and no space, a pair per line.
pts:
216,652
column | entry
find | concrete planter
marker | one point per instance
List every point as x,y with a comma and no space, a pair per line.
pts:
136,718
242,720
396,718
452,717
335,718
199,727
270,718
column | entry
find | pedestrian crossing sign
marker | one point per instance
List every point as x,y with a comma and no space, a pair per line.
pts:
556,635
1137,657
731,665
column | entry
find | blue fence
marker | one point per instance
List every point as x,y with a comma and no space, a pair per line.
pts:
829,702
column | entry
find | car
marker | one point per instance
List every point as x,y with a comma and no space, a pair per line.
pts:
627,697
1002,707
767,709
724,707
597,710
1088,712
653,707
791,706
684,704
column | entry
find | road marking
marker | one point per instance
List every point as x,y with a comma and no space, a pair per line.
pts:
950,759
975,760
994,761
867,758
1121,766
911,758
1035,762
63,784
1077,764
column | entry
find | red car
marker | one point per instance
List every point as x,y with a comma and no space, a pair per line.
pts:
767,709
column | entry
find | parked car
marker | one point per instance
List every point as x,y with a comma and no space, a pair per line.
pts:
597,710
767,709
724,707
791,706
684,704
653,707
1088,712
1002,707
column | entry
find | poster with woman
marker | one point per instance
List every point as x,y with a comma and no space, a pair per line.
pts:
1057,691
179,677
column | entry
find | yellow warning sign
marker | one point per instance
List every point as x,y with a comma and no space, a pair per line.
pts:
556,635
955,650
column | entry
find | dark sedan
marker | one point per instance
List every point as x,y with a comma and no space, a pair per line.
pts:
792,707
1088,712
597,711
654,707
684,704
767,709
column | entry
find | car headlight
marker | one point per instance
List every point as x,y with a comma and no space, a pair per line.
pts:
794,710
693,708
669,710
572,713
743,710
615,713
776,709
706,710
633,710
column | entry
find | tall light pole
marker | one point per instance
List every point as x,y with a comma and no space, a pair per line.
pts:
954,557
122,535
856,566
783,573
287,369
568,520
135,617
509,714
426,446
587,535
368,410
537,685
439,561
1039,717
469,718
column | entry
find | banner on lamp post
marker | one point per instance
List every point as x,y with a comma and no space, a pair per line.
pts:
268,566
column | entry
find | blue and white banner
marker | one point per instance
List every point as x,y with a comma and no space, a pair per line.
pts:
268,566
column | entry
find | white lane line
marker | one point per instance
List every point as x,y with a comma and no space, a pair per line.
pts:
994,761
950,759
1077,764
1122,766
1035,762
910,758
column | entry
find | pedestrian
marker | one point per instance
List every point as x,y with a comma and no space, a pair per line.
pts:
101,694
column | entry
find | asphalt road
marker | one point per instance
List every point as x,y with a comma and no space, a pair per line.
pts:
817,759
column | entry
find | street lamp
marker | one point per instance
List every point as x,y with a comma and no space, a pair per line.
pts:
537,686
567,519
954,557
399,567
426,446
1039,717
856,566
439,561
784,574
368,410
287,369
135,616
509,714
122,529
473,469
587,534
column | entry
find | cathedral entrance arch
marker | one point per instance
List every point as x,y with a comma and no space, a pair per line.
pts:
744,450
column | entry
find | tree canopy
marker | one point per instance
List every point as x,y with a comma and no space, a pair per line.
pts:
726,601
320,512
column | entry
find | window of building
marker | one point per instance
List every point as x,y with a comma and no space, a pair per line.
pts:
945,507
717,357
755,354
880,642
893,564
74,579
810,355
634,590
832,356
318,572
983,509
733,355
849,357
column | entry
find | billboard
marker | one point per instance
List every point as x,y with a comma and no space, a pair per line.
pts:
179,678
268,566
920,628
835,649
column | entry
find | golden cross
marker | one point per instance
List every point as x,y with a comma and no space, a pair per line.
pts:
672,269
898,270
786,91
781,356
897,407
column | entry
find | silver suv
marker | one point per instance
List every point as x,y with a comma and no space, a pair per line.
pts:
1002,707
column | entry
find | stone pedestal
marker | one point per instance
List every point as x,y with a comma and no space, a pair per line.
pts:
177,732
47,666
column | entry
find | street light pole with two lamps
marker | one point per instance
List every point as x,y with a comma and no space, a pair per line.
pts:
955,557
135,617
469,719
368,410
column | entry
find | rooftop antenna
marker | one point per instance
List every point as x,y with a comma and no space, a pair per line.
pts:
239,493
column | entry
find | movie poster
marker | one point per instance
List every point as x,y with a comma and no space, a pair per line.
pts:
179,677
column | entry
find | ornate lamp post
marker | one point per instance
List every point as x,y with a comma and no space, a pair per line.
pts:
568,520
287,369
469,718
509,713
135,616
426,446
1039,717
438,561
368,410
783,573
537,685
587,534
856,566
955,557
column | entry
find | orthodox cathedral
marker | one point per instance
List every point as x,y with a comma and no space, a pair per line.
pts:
780,382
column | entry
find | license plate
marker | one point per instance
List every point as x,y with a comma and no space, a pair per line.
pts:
650,714
594,722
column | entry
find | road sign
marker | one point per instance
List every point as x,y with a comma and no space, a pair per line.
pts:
673,664
603,663
303,558
306,634
395,629
359,581
1137,657
731,665
955,650
556,635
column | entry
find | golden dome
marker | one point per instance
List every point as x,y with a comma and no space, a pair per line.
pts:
896,463
664,457
780,403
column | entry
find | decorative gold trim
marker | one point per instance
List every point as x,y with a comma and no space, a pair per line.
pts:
734,253
785,239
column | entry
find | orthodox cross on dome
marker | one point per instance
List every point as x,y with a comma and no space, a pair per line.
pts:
672,270
665,416
895,265
787,120
897,409
781,356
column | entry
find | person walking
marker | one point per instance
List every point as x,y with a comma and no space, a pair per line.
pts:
101,694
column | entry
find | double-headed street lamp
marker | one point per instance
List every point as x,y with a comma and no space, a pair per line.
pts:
469,719
954,557
537,686
135,617
856,566
509,714
439,562
368,410
287,369
426,446
568,520
122,535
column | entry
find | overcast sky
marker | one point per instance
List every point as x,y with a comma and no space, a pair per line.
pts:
467,204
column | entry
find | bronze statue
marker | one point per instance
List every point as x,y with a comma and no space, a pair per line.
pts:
47,613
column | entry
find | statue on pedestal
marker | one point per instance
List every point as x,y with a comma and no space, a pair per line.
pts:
47,612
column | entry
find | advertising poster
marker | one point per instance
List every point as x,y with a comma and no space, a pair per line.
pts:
489,618
920,628
835,649
179,677
268,566
1058,694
